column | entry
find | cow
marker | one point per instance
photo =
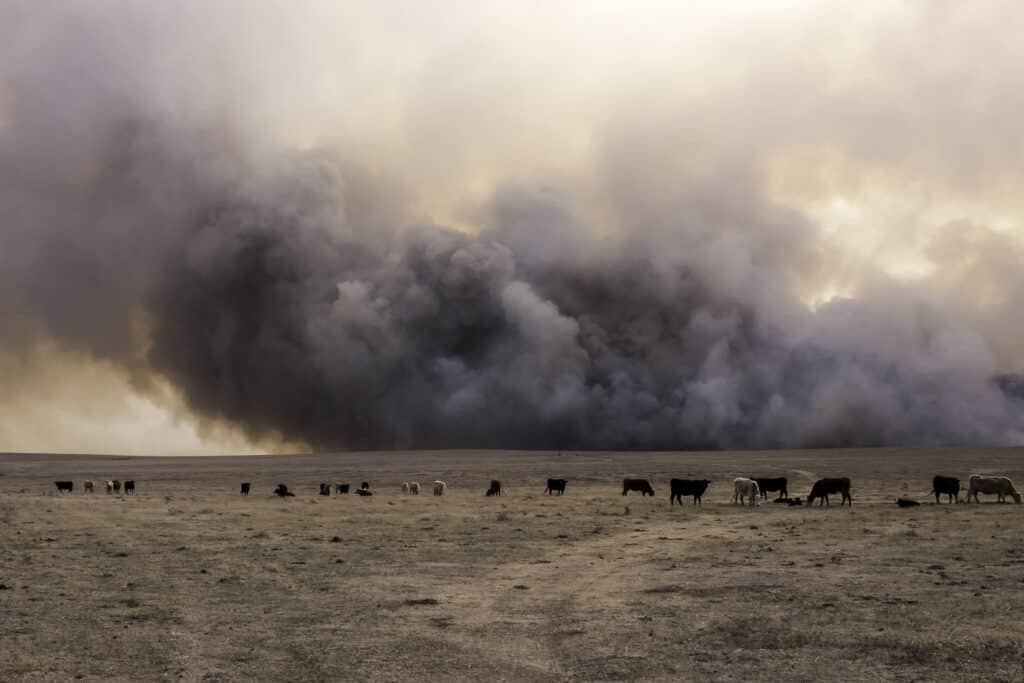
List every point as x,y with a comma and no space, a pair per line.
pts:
769,484
1000,486
365,486
110,487
414,488
439,487
946,486
283,491
117,486
746,488
342,488
641,485
129,487
495,489
325,489
63,486
364,492
405,487
825,487
687,487
556,485
907,502
90,487
245,488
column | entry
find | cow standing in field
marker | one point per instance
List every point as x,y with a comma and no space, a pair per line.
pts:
556,485
687,487
769,484
342,488
641,485
414,488
129,487
439,487
823,488
110,487
946,486
90,487
998,486
245,488
495,488
117,486
746,488
405,488
63,486
365,486
325,489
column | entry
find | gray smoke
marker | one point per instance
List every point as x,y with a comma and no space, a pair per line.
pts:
297,292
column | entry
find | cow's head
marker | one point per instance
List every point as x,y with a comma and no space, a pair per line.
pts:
1016,497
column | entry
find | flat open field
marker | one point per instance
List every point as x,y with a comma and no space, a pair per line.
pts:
189,581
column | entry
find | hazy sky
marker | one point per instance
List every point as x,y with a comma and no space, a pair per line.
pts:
819,200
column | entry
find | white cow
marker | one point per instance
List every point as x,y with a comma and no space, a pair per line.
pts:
746,488
1000,486
414,488
110,487
439,487
405,487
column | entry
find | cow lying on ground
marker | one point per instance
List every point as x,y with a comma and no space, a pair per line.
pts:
63,486
325,489
439,487
556,485
283,491
792,502
90,487
495,489
769,484
946,486
687,487
823,488
998,486
364,492
744,488
245,488
907,502
414,488
641,485
342,488
129,487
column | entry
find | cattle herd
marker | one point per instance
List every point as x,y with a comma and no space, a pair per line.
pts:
746,490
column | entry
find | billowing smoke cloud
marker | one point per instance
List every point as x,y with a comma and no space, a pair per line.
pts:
164,211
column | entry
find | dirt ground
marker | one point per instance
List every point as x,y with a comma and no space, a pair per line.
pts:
187,580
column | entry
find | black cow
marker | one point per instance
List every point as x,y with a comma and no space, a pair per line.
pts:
768,484
325,489
364,492
365,486
907,502
129,487
688,487
283,491
947,486
245,488
342,488
556,485
641,485
824,487
63,486
495,489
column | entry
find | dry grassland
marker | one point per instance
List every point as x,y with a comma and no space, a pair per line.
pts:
189,581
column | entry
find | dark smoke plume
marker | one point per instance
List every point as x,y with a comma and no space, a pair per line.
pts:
291,292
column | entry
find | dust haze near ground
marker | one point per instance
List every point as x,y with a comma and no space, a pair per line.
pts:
188,581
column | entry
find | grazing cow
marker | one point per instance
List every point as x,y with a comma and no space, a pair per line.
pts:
110,487
907,502
1000,486
342,488
283,491
325,489
769,484
90,487
245,488
63,486
405,487
364,492
946,486
746,488
439,487
117,486
825,487
129,487
365,486
687,487
641,485
414,488
495,489
556,485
